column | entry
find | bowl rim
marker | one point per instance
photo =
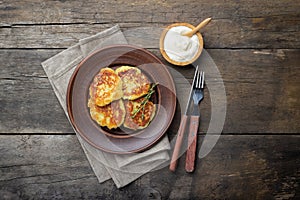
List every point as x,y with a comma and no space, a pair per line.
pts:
165,55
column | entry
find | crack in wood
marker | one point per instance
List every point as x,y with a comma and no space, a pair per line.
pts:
61,181
17,165
32,176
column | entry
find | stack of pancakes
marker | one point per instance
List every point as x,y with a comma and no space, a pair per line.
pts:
116,95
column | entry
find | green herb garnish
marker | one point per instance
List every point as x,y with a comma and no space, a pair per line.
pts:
144,102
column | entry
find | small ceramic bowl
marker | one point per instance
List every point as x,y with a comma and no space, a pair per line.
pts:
165,55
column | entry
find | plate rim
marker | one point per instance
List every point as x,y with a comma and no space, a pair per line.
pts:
69,100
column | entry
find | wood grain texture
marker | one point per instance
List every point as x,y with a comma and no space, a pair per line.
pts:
192,143
262,88
178,149
59,24
28,103
32,11
256,47
50,167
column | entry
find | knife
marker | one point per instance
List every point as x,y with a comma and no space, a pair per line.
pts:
182,126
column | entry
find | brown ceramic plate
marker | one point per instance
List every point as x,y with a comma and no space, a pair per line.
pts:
119,140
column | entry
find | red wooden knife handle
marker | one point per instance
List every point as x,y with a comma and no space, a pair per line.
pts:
192,143
178,143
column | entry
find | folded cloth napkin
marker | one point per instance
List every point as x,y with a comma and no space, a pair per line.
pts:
123,169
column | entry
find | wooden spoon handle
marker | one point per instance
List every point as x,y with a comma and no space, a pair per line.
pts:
192,143
197,28
178,143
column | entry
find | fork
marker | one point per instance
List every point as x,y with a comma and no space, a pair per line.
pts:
198,95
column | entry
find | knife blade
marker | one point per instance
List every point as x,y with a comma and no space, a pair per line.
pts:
182,128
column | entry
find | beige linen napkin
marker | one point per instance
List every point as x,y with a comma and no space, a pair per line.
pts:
123,169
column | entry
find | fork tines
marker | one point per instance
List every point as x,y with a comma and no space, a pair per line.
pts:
199,84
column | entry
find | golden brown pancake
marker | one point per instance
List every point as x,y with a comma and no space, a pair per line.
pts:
135,83
106,87
111,115
105,103
142,118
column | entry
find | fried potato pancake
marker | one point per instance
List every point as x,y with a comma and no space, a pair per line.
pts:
106,87
107,107
142,118
135,83
111,115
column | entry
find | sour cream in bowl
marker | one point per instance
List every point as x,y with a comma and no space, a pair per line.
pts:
178,49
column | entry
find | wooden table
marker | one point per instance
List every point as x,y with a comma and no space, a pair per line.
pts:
256,46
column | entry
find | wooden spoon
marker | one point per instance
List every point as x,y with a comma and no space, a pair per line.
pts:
197,28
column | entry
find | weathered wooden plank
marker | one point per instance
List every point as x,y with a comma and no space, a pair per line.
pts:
92,11
239,167
220,33
59,24
28,103
262,89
